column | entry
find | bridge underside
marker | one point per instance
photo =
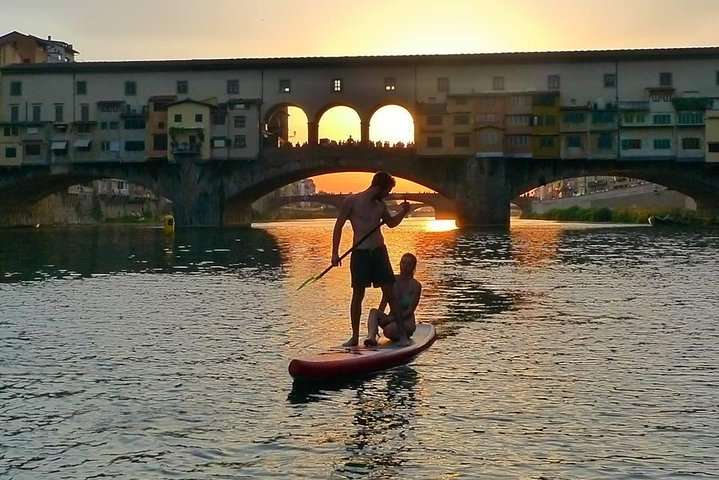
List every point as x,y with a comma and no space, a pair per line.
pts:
215,193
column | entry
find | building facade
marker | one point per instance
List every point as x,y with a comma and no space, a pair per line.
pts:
625,104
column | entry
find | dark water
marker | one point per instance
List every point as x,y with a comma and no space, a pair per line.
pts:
565,352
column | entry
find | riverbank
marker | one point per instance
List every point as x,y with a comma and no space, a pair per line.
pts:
73,209
620,215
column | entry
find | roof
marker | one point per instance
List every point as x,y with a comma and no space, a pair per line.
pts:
576,56
189,100
41,41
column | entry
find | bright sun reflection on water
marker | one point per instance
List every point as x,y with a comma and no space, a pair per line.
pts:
441,225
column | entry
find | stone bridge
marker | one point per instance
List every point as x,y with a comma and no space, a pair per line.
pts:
214,193
443,207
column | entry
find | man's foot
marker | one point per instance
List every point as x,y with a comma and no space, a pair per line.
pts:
370,342
352,342
403,342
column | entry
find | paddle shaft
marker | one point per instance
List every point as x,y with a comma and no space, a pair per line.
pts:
364,237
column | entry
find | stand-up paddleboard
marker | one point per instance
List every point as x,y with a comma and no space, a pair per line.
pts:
344,362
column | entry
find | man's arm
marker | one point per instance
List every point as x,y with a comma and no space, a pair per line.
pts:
393,221
342,218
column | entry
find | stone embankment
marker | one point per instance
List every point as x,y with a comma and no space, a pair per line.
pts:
642,197
71,209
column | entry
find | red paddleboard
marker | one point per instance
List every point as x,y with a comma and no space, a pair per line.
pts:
345,362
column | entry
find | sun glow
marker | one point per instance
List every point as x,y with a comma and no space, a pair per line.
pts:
441,225
392,124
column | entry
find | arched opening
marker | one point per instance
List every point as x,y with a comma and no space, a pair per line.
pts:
393,126
603,198
285,126
108,200
298,130
339,125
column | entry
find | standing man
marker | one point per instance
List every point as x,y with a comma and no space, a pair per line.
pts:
369,263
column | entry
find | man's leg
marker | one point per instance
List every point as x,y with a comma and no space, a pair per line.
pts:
355,315
395,309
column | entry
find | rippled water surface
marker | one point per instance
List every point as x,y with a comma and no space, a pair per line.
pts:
566,351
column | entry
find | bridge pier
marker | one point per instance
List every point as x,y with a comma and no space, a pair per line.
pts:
237,213
197,193
198,209
482,199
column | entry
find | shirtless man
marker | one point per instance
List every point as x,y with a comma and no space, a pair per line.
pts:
369,263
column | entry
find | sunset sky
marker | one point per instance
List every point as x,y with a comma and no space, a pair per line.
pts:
182,29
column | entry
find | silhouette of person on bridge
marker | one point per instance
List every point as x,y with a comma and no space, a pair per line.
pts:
369,262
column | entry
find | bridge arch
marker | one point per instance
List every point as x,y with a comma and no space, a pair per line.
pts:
395,121
352,123
276,123
242,196
47,196
672,175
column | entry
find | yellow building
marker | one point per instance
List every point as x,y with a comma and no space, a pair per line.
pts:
545,125
188,128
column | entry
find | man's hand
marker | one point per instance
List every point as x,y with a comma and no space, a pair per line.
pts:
336,260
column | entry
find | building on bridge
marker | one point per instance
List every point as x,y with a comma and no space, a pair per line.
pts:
657,103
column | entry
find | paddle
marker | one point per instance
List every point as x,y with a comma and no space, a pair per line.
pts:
365,237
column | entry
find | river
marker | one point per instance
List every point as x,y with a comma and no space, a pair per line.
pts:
565,351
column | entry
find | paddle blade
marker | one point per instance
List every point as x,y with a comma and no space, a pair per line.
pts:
316,277
307,282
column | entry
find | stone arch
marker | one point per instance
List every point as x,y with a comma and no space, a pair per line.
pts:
396,136
47,195
327,107
411,108
694,184
275,124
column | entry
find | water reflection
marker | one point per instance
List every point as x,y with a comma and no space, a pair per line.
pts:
382,418
533,245
81,252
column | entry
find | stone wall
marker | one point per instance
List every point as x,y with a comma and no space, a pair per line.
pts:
643,197
73,209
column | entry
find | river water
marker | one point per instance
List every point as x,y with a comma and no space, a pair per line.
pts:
565,351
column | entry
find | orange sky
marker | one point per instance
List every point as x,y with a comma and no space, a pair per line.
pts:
130,30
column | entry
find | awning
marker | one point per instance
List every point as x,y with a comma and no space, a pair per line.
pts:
81,143
59,145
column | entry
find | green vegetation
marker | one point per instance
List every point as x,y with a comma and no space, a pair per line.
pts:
622,215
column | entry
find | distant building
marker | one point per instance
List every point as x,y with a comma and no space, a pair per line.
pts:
16,47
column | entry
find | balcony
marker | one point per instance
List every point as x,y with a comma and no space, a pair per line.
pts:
134,111
633,105
186,147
